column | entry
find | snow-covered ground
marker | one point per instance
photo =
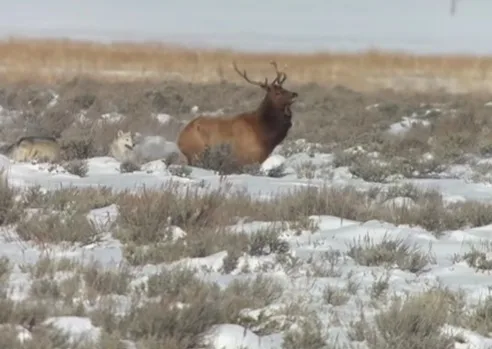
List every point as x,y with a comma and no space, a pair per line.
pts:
329,234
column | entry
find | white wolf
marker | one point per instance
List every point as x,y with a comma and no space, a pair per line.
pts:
142,149
122,147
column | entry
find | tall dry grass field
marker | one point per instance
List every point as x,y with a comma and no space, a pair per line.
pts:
55,60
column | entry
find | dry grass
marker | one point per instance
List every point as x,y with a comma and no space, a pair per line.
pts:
55,60
388,252
9,207
414,322
181,307
337,118
174,222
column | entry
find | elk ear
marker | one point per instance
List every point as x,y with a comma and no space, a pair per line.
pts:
120,133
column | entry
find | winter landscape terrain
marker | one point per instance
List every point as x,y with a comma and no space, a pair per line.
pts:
369,227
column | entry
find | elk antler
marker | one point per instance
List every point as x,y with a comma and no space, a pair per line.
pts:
245,77
281,76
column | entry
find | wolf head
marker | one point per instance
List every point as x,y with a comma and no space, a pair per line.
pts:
125,140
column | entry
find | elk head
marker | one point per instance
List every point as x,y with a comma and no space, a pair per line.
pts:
280,97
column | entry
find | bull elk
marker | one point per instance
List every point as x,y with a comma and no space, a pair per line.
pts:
252,135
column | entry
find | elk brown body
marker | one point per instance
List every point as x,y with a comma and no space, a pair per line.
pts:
253,135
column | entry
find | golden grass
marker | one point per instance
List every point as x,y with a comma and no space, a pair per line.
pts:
55,60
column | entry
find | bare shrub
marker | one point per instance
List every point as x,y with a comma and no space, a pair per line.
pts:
267,241
129,167
177,283
47,266
80,200
427,210
335,296
45,289
308,335
478,257
480,319
379,288
415,322
388,252
179,171
79,148
148,216
56,227
10,209
198,244
220,159
43,337
183,308
328,265
382,168
77,167
5,268
106,281
252,293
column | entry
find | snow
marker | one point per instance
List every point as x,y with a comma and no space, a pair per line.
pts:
79,328
407,123
155,147
238,337
329,234
333,25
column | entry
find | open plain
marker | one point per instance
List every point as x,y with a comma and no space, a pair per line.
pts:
368,227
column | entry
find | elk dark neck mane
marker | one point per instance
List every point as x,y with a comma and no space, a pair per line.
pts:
275,122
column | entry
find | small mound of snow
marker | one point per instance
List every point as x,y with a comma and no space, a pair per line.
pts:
156,166
4,163
272,164
103,217
196,110
155,148
103,165
177,233
163,118
219,112
235,337
112,117
399,202
77,327
406,124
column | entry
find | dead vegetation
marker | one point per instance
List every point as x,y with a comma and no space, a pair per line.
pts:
174,221
77,167
10,210
53,60
414,322
388,253
182,308
219,159
448,128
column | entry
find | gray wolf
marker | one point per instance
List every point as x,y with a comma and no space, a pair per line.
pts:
122,147
40,148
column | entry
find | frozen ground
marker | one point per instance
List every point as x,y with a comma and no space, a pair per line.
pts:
331,234
310,249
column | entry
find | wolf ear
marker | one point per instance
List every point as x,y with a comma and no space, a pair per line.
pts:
120,133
